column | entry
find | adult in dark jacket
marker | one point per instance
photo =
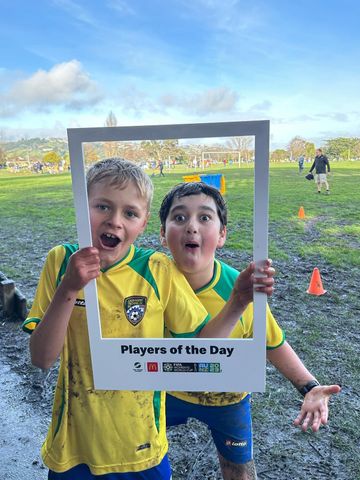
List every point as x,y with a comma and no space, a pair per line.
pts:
322,166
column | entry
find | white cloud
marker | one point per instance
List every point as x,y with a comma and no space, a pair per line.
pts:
337,116
66,84
139,102
214,100
260,108
135,101
330,117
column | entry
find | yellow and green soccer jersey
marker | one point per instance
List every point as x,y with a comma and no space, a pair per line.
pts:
214,296
113,431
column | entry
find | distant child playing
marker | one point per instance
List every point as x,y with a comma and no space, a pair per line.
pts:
103,434
193,220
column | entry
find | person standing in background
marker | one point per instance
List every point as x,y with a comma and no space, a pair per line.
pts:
301,163
161,168
321,166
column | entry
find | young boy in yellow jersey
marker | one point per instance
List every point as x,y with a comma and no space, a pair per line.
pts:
193,220
114,435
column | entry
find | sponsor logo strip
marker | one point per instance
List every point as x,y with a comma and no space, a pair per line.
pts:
189,367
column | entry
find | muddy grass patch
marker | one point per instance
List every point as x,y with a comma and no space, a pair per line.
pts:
324,332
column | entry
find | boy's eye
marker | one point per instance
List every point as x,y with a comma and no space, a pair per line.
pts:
205,218
179,218
103,208
130,214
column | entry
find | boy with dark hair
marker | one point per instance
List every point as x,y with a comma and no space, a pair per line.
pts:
103,434
193,225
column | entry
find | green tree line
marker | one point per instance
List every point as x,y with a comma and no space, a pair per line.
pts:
340,148
55,152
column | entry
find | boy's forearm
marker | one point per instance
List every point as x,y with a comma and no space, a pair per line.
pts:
289,364
223,324
241,296
47,340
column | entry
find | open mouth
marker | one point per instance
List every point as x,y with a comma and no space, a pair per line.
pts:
109,240
191,245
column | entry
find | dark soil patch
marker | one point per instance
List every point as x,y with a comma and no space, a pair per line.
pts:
323,330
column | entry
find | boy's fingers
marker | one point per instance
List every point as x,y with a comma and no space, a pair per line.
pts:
94,274
299,418
267,280
264,282
307,421
332,389
267,270
250,268
85,256
248,271
268,263
88,253
266,290
316,422
324,416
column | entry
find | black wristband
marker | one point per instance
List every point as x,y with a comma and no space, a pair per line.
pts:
309,386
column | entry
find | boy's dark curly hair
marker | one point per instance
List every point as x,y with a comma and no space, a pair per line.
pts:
193,188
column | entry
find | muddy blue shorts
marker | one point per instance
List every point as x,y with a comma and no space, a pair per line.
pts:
82,472
230,425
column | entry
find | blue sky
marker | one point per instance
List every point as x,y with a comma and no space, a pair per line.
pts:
67,63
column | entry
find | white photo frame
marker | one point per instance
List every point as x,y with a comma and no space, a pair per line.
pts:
212,367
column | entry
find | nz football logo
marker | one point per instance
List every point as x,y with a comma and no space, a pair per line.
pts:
135,308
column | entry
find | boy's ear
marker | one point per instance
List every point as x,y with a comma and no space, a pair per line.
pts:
222,238
162,237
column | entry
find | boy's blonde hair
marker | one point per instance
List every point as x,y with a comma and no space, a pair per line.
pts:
119,172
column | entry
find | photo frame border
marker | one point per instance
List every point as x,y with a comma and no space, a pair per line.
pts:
114,368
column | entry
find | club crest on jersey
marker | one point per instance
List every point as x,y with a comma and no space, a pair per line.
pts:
135,308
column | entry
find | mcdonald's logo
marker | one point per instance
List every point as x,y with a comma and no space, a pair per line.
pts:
152,367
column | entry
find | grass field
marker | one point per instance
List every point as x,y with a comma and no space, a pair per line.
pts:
37,213
330,231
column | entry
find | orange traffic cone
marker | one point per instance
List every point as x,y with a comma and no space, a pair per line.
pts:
316,286
301,213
